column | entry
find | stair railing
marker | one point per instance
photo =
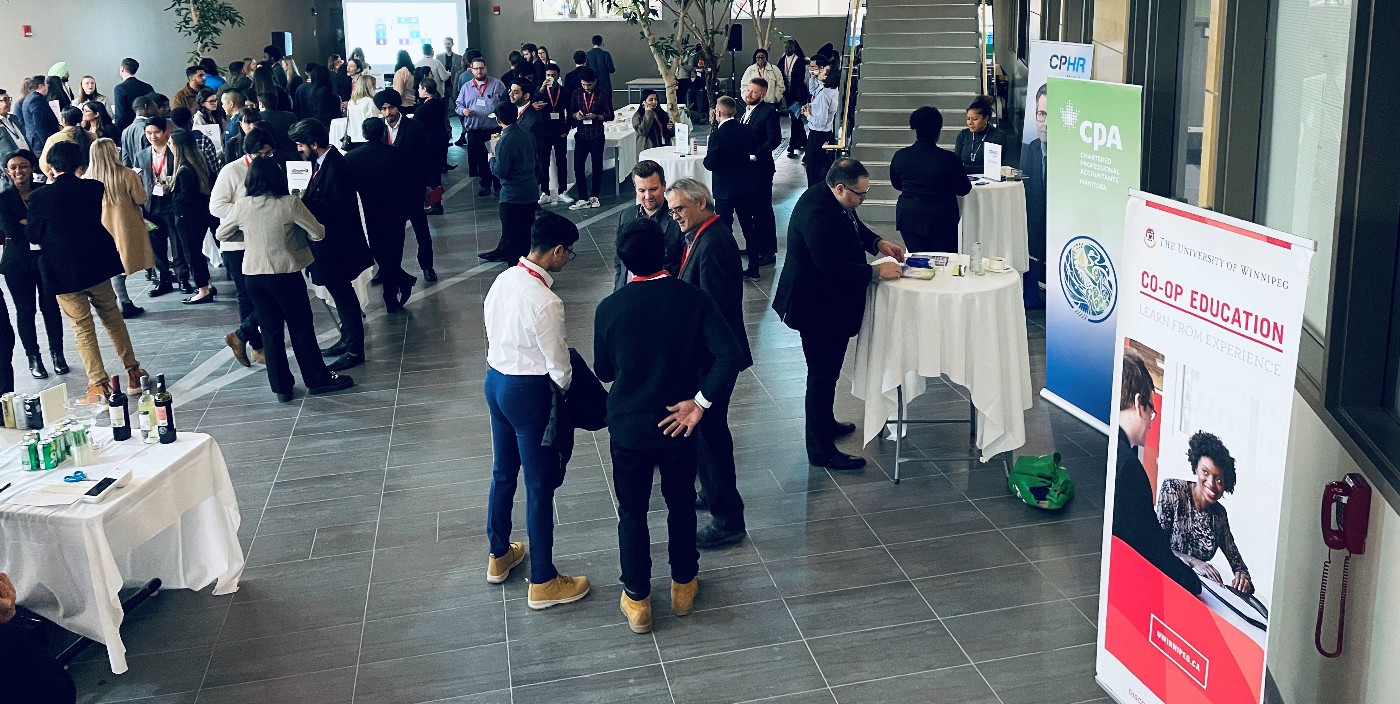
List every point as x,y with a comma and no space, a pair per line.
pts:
854,28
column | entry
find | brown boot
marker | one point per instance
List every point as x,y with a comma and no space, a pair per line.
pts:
133,380
498,568
683,596
638,613
96,393
239,348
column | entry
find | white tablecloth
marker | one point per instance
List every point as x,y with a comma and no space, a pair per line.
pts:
177,521
996,213
620,143
971,329
337,130
678,167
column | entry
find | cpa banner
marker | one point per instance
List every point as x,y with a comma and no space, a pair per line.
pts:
1046,59
1095,132
1204,359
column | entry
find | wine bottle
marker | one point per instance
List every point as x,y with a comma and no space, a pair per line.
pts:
165,412
146,407
118,410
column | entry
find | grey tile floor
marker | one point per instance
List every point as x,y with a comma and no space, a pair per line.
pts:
363,518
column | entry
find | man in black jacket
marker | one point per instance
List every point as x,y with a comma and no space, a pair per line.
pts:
727,159
650,181
412,139
551,133
821,295
343,254
761,228
128,90
686,361
710,262
388,200
77,259
794,67
278,120
1134,519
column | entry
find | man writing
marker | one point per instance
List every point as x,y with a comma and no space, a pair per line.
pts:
590,107
513,163
765,134
710,262
342,255
551,131
476,101
528,357
649,179
188,95
821,295
662,383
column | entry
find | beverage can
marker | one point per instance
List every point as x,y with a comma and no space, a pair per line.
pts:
29,452
33,413
49,453
7,409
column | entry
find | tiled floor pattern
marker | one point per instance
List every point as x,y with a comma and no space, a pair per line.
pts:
363,518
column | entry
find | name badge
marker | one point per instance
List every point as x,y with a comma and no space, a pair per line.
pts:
555,116
159,189
587,122
481,102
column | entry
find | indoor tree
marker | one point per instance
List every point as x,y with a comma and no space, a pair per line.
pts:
762,13
203,21
686,25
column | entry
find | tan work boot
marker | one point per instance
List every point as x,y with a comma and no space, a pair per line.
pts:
96,393
563,589
638,613
683,596
498,568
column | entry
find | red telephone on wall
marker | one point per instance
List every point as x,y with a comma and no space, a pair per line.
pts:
1346,514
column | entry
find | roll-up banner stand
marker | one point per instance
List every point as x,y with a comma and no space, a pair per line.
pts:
1205,352
1095,132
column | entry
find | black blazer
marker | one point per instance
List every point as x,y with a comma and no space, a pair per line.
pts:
413,141
191,204
766,134
675,242
714,267
431,115
727,159
1135,521
687,347
317,102
16,257
281,121
929,179
65,219
122,95
373,169
825,275
344,252
795,81
1032,165
145,162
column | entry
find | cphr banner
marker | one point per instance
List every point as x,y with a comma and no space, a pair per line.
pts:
1205,352
1095,132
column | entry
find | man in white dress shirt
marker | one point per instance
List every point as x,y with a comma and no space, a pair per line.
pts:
528,357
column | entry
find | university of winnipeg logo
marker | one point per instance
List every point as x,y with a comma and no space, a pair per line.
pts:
1088,280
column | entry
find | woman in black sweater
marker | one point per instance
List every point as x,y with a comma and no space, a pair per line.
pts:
191,197
929,179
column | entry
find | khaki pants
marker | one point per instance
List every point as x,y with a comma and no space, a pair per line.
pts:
78,307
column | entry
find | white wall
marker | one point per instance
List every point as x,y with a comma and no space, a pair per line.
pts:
93,37
1369,670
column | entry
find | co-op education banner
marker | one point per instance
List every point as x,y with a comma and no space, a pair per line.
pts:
1095,132
1046,59
1205,353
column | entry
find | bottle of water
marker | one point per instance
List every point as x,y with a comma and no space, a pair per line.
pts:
977,258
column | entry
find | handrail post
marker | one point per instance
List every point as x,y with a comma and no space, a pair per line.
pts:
982,44
851,21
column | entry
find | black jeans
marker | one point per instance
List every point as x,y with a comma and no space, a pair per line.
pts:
27,290
190,262
477,158
247,318
559,145
815,160
797,139
632,473
824,353
386,235
352,318
516,220
280,300
421,234
590,148
161,212
714,451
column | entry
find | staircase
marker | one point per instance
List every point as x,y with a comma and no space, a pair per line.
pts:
915,54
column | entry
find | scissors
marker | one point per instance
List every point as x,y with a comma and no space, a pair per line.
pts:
75,477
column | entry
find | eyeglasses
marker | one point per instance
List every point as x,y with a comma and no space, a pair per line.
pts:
859,194
572,253
1041,114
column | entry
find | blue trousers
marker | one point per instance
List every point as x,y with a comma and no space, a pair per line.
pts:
519,414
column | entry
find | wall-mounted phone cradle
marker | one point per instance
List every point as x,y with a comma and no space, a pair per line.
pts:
1346,514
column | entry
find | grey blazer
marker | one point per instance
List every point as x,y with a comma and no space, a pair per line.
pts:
275,233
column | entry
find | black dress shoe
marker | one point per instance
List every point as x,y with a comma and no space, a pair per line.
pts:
482,193
60,365
131,310
161,289
392,304
434,210
461,141
449,167
196,300
494,255
187,287
284,397
713,537
347,361
151,275
837,460
334,350
36,367
753,273
406,289
430,275
337,382
767,259
375,280
841,430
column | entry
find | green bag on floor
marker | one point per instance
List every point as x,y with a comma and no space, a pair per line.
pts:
1041,482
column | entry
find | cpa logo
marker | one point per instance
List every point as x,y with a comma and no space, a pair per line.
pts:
1088,279
1149,238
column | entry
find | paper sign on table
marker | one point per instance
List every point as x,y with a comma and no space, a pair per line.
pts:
991,161
298,176
682,138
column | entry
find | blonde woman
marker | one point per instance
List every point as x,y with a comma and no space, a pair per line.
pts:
294,75
121,215
360,108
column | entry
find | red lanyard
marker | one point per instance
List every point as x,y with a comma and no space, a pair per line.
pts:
658,275
553,97
533,273
588,99
158,169
480,89
696,240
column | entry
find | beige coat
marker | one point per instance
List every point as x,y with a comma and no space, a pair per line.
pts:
126,224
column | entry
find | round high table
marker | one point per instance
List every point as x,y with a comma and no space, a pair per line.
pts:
995,213
971,329
678,166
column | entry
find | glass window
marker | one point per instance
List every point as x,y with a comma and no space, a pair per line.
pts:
1308,66
1191,97
570,10
797,8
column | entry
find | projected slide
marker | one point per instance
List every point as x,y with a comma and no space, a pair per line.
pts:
383,29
